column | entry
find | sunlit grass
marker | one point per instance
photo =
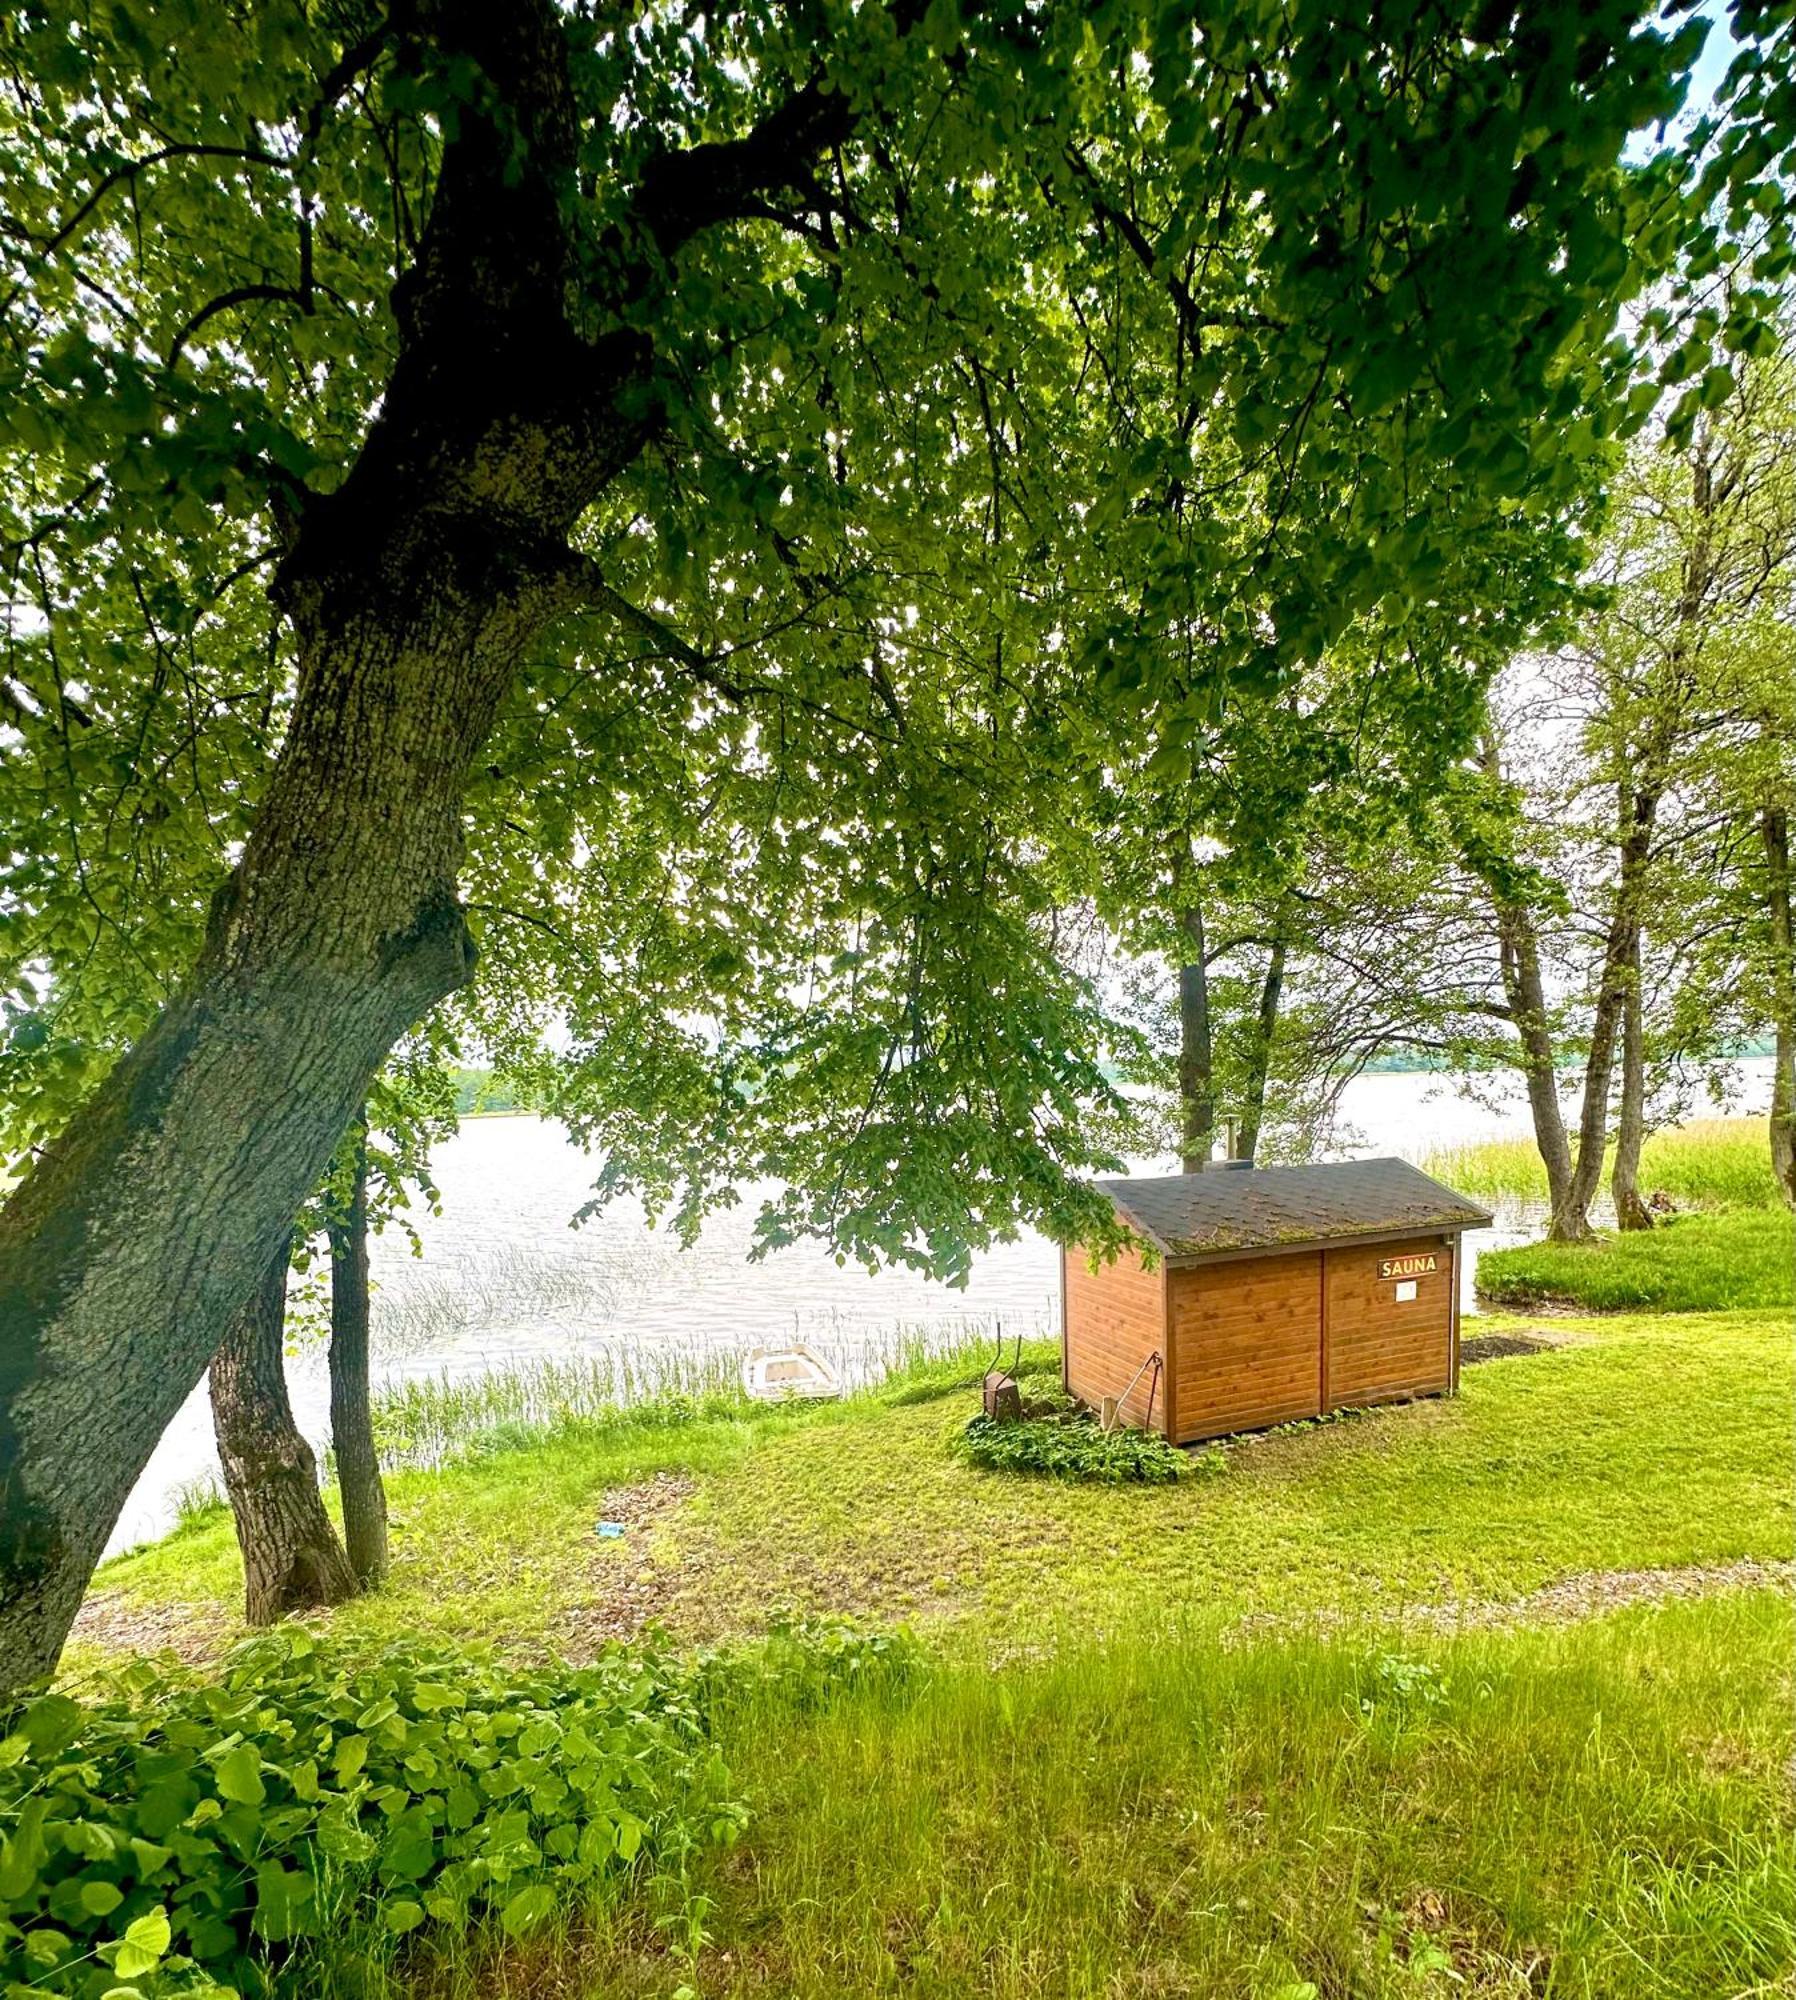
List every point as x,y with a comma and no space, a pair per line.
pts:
1691,1263
1655,1442
1594,1811
1184,1741
1709,1163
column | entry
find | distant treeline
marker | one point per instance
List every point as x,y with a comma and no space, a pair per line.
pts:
478,1090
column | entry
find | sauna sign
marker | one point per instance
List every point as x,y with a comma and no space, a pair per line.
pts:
1418,1265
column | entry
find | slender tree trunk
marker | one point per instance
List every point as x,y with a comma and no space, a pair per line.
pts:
292,1559
352,1422
412,591
1619,976
1630,1132
1525,990
1260,1057
1774,830
1197,1088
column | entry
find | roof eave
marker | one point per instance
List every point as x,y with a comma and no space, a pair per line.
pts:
1178,1260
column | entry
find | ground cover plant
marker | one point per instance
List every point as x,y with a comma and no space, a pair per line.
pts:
1067,1443
1691,1263
180,1833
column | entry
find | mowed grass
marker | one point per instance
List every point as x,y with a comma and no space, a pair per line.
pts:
1178,1743
1645,1443
1709,1163
1691,1263
1596,1811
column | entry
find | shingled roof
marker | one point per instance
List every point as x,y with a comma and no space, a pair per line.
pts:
1266,1208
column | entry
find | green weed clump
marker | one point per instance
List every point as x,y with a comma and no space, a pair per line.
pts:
184,1835
1071,1445
1692,1263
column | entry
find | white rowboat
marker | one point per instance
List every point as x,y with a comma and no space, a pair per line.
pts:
773,1374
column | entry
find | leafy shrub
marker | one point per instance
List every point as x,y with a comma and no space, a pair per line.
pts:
184,1833
1075,1446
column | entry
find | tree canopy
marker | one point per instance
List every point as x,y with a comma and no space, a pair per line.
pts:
779,462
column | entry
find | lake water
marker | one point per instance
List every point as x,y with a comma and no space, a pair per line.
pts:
505,1278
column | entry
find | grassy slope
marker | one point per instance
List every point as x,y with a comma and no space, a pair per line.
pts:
1144,1801
1693,1263
1647,1444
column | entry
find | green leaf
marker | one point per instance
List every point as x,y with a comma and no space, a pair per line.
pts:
50,1723
239,1776
527,1909
24,1853
145,1942
401,1916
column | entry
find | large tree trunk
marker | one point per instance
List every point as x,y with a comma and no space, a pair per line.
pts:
352,1423
1197,1087
1774,831
412,591
1630,1131
292,1559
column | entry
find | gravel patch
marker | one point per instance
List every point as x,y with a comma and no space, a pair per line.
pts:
1588,1594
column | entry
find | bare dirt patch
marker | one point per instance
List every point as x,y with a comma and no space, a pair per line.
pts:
1599,1590
1501,1346
112,1622
630,1585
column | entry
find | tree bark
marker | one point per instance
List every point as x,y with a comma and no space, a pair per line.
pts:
412,591
1618,977
1774,831
1253,1112
352,1424
292,1559
1630,1131
1197,1087
1525,990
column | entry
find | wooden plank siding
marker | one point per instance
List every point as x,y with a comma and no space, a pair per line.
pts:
1115,1317
1377,1349
1246,1344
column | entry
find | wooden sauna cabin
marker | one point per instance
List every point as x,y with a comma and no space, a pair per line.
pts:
1275,1293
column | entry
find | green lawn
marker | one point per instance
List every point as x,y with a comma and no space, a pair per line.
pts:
1709,1163
1642,1444
1282,1734
1745,1258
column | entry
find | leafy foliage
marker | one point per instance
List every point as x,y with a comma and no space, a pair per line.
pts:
179,1834
1073,1445
1038,430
